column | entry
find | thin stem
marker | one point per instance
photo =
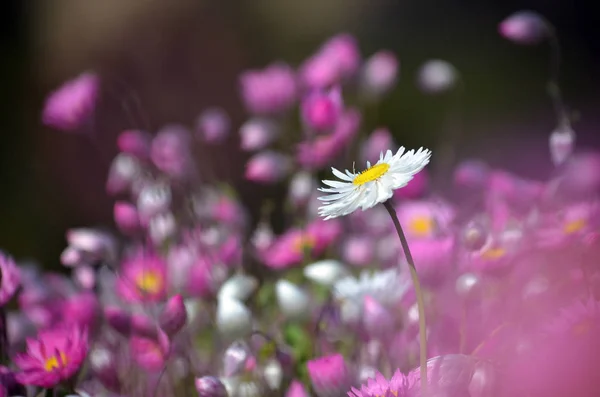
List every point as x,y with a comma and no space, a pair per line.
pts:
553,87
418,292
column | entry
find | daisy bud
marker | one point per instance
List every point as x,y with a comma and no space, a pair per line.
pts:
377,321
267,167
562,141
329,375
379,75
209,386
358,250
273,374
173,316
378,142
126,217
124,170
467,284
321,110
301,188
213,126
103,364
71,105
238,286
293,301
234,359
256,134
296,389
135,143
471,173
150,353
162,227
436,76
153,199
269,91
325,272
524,27
233,318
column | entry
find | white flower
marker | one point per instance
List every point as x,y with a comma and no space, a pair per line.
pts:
233,318
325,272
386,287
239,286
293,301
374,185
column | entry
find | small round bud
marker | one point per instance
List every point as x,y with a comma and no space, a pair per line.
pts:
466,284
524,27
209,386
437,76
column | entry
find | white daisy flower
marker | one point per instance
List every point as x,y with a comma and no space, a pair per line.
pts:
374,185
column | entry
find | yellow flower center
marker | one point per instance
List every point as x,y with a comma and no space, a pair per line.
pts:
150,282
574,226
53,362
582,328
371,174
421,226
303,242
493,253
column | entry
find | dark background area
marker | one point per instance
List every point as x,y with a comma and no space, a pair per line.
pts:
177,57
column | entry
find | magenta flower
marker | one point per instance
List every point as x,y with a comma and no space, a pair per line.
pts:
150,352
524,27
213,126
321,110
338,59
173,316
579,319
434,257
267,167
425,219
270,90
54,357
134,142
143,278
71,105
568,226
10,278
296,389
329,375
380,387
170,151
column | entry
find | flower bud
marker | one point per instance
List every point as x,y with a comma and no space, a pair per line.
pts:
293,301
257,133
329,375
124,170
213,126
267,167
209,386
325,272
562,141
234,359
321,110
436,76
173,316
150,353
135,143
162,227
239,286
296,389
126,217
103,364
524,27
85,276
170,151
301,187
72,104
118,319
377,321
379,74
153,199
273,374
233,319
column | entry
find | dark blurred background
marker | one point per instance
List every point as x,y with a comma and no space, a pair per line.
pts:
177,57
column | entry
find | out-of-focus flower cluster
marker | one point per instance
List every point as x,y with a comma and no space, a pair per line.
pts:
189,295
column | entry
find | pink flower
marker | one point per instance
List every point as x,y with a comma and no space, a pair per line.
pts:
143,278
358,250
134,142
213,125
324,149
379,75
579,319
290,248
54,357
381,387
267,167
82,310
296,389
570,225
10,278
321,110
71,105
434,259
424,219
336,60
524,27
329,375
173,316
257,133
150,352
268,91
170,151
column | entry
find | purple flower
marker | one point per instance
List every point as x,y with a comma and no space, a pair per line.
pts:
209,386
267,167
170,151
321,110
269,91
336,60
329,375
379,74
69,107
150,352
134,142
8,384
296,389
173,316
10,278
54,357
